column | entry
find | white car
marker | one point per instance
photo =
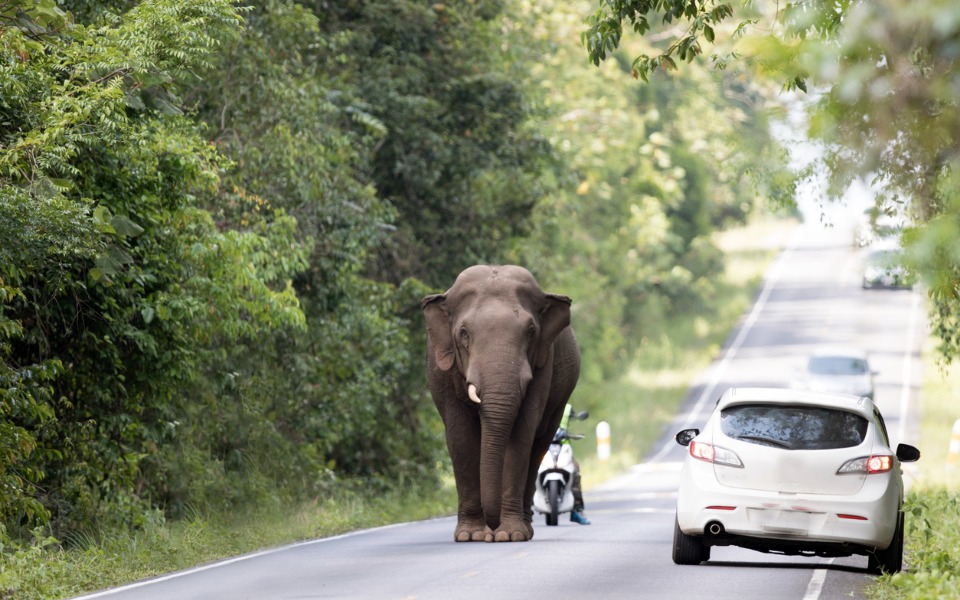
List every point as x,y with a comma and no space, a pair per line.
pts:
884,268
792,472
839,370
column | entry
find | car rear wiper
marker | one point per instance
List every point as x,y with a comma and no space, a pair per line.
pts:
765,440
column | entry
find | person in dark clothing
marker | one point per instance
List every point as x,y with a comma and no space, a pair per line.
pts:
576,515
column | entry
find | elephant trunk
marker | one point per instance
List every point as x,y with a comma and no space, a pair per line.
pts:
497,417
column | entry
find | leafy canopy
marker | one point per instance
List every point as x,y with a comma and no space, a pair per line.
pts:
886,108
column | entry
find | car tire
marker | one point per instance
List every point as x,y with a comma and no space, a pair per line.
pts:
891,559
688,549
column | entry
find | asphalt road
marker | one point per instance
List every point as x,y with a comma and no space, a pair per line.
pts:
812,296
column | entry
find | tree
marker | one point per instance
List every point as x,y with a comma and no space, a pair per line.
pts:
886,110
114,274
648,174
461,159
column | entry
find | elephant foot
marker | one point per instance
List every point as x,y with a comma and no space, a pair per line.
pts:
470,532
518,532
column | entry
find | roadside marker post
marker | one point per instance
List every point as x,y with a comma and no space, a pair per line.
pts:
954,451
603,440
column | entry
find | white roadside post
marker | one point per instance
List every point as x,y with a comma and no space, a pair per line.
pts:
603,440
954,449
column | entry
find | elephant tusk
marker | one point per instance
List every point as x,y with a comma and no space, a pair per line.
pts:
472,392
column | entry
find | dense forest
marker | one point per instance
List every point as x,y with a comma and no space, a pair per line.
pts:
217,221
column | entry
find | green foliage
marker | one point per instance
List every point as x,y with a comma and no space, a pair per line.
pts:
886,117
652,172
460,161
38,569
885,69
115,270
605,30
931,555
303,141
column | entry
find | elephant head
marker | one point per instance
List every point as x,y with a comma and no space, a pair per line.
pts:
490,352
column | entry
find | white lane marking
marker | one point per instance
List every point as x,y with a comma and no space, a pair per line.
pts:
721,368
230,561
907,369
816,583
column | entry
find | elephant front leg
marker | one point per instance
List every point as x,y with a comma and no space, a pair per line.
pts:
516,520
463,443
471,525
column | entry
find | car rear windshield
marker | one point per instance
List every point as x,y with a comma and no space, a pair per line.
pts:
794,427
837,365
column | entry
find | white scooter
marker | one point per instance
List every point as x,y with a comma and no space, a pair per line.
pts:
554,492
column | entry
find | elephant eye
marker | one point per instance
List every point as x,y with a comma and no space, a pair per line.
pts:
464,337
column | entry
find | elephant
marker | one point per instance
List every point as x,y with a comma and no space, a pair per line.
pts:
502,361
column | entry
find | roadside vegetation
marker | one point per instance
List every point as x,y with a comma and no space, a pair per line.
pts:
932,545
217,221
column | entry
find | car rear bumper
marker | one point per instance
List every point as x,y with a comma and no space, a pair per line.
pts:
867,518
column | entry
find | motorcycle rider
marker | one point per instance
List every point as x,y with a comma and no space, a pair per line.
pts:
576,515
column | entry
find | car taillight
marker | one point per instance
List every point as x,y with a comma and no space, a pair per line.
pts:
876,463
702,451
714,454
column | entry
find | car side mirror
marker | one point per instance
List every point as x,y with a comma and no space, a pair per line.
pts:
686,436
907,453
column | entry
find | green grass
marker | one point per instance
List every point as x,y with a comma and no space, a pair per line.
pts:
640,404
932,552
940,409
44,570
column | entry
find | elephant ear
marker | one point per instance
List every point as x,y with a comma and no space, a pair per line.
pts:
554,318
439,337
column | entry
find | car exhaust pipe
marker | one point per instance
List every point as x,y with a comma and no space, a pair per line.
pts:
715,528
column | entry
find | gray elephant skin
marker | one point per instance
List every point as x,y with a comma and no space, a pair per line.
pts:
502,361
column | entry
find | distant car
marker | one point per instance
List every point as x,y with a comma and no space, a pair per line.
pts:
884,268
792,472
837,369
863,235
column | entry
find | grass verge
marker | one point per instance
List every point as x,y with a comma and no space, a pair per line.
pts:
44,570
932,545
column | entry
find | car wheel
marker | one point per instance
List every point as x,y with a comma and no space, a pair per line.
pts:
891,559
688,549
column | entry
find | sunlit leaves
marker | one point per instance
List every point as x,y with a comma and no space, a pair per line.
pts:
656,168
605,29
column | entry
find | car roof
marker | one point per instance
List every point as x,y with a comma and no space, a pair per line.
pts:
850,351
785,396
